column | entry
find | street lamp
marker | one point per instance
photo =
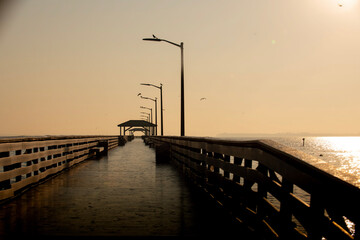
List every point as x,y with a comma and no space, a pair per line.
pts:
145,117
148,109
155,101
182,110
147,114
161,104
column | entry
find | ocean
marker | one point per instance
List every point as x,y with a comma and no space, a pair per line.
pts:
341,152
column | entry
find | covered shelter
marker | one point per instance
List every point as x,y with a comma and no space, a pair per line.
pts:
132,126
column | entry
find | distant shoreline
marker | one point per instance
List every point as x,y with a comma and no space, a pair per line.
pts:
221,135
235,135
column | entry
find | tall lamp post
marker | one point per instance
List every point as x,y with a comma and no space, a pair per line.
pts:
182,110
146,118
155,101
161,104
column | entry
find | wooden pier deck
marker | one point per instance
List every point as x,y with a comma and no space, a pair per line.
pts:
125,194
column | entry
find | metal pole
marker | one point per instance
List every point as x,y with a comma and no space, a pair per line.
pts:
156,116
182,91
161,103
182,110
151,116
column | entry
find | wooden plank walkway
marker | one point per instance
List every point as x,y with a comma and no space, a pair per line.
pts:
125,194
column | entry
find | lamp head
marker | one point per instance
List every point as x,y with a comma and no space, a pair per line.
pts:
152,39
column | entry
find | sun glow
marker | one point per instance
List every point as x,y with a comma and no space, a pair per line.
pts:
347,3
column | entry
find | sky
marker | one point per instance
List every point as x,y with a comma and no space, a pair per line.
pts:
74,67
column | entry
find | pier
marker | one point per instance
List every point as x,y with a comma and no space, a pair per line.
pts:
124,194
117,186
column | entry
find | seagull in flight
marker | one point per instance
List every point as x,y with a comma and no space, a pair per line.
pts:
202,99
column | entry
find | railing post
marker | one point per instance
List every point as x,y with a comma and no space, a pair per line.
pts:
6,183
162,152
226,159
237,161
218,156
248,184
18,165
285,209
251,204
29,163
262,191
317,212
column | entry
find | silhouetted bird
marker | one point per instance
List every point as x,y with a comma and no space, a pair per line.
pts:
202,99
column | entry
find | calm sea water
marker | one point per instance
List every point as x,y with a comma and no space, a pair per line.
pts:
342,152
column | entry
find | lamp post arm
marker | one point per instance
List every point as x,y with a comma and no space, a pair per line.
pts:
149,84
178,45
148,98
155,39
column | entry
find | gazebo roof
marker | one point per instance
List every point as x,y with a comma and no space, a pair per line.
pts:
136,123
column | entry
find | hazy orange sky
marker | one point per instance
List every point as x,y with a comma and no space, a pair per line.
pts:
265,66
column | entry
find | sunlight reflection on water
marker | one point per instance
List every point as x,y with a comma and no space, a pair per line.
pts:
346,150
342,152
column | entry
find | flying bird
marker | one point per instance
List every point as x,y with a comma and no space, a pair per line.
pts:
202,99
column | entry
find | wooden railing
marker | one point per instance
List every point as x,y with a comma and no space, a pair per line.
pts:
280,193
26,161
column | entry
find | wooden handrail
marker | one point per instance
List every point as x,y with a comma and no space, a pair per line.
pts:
259,183
27,161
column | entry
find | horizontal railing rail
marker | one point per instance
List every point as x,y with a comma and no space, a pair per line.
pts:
279,192
27,161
